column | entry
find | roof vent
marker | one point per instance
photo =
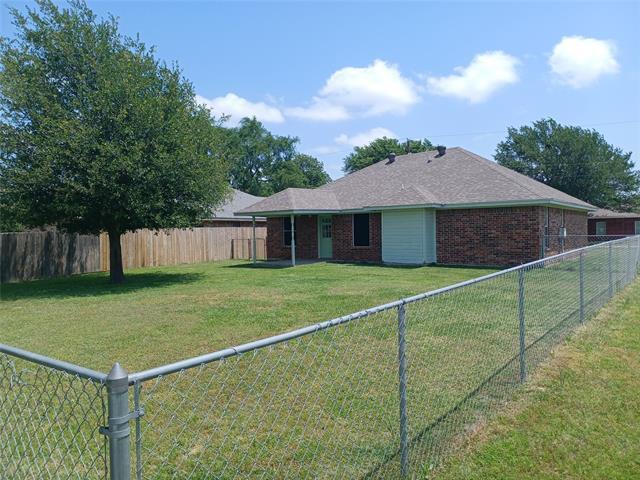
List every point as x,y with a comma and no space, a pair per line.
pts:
441,150
391,157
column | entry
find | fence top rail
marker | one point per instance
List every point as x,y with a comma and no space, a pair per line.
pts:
152,373
619,235
53,363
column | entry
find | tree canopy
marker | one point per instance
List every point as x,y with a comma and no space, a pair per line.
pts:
574,160
96,134
263,163
379,149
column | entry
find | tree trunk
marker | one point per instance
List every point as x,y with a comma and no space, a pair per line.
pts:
116,273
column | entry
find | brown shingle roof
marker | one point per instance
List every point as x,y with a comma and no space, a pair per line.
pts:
237,201
604,213
459,178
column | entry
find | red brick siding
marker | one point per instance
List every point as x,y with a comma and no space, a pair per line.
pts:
307,236
232,223
574,221
343,248
488,236
481,236
615,226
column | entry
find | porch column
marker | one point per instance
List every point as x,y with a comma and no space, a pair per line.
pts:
293,241
253,256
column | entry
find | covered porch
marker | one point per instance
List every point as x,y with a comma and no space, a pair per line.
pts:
324,236
298,238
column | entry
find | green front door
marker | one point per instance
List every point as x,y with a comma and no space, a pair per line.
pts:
325,245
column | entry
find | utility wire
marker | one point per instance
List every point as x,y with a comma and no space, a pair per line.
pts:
503,131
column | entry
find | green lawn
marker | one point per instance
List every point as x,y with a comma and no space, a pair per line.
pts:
169,313
324,405
579,418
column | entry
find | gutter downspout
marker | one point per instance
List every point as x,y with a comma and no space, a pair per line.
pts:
293,241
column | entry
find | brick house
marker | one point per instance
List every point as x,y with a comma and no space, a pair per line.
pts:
608,222
449,207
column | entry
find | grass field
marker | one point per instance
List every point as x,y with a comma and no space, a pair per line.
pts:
325,405
166,314
579,416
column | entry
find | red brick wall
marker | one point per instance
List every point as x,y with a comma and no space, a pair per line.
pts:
232,223
343,248
488,236
615,226
481,236
574,221
307,236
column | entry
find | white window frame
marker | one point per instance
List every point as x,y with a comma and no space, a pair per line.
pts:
291,227
637,227
545,230
601,224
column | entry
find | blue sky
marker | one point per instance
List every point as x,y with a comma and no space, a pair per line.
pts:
338,74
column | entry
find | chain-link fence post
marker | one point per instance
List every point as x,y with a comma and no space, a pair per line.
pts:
581,286
138,409
629,262
118,430
610,273
637,262
402,387
521,307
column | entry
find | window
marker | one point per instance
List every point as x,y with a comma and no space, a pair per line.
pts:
637,227
601,228
545,240
325,228
286,229
361,230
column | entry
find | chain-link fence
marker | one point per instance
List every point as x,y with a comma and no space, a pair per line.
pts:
50,415
383,393
555,244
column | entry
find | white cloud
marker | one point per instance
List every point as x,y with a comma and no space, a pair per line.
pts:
237,108
320,109
323,150
579,61
487,73
361,91
364,138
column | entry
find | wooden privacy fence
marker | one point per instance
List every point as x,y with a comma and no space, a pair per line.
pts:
41,254
148,248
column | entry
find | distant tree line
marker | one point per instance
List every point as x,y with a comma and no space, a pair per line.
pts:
261,163
574,160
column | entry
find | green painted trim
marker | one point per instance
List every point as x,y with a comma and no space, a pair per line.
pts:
284,213
519,203
452,206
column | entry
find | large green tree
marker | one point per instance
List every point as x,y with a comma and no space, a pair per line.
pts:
263,163
379,149
574,160
96,134
302,171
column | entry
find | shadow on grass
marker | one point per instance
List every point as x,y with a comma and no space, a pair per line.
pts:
91,285
277,264
430,445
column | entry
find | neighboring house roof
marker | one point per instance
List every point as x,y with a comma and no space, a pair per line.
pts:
603,213
237,201
458,179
